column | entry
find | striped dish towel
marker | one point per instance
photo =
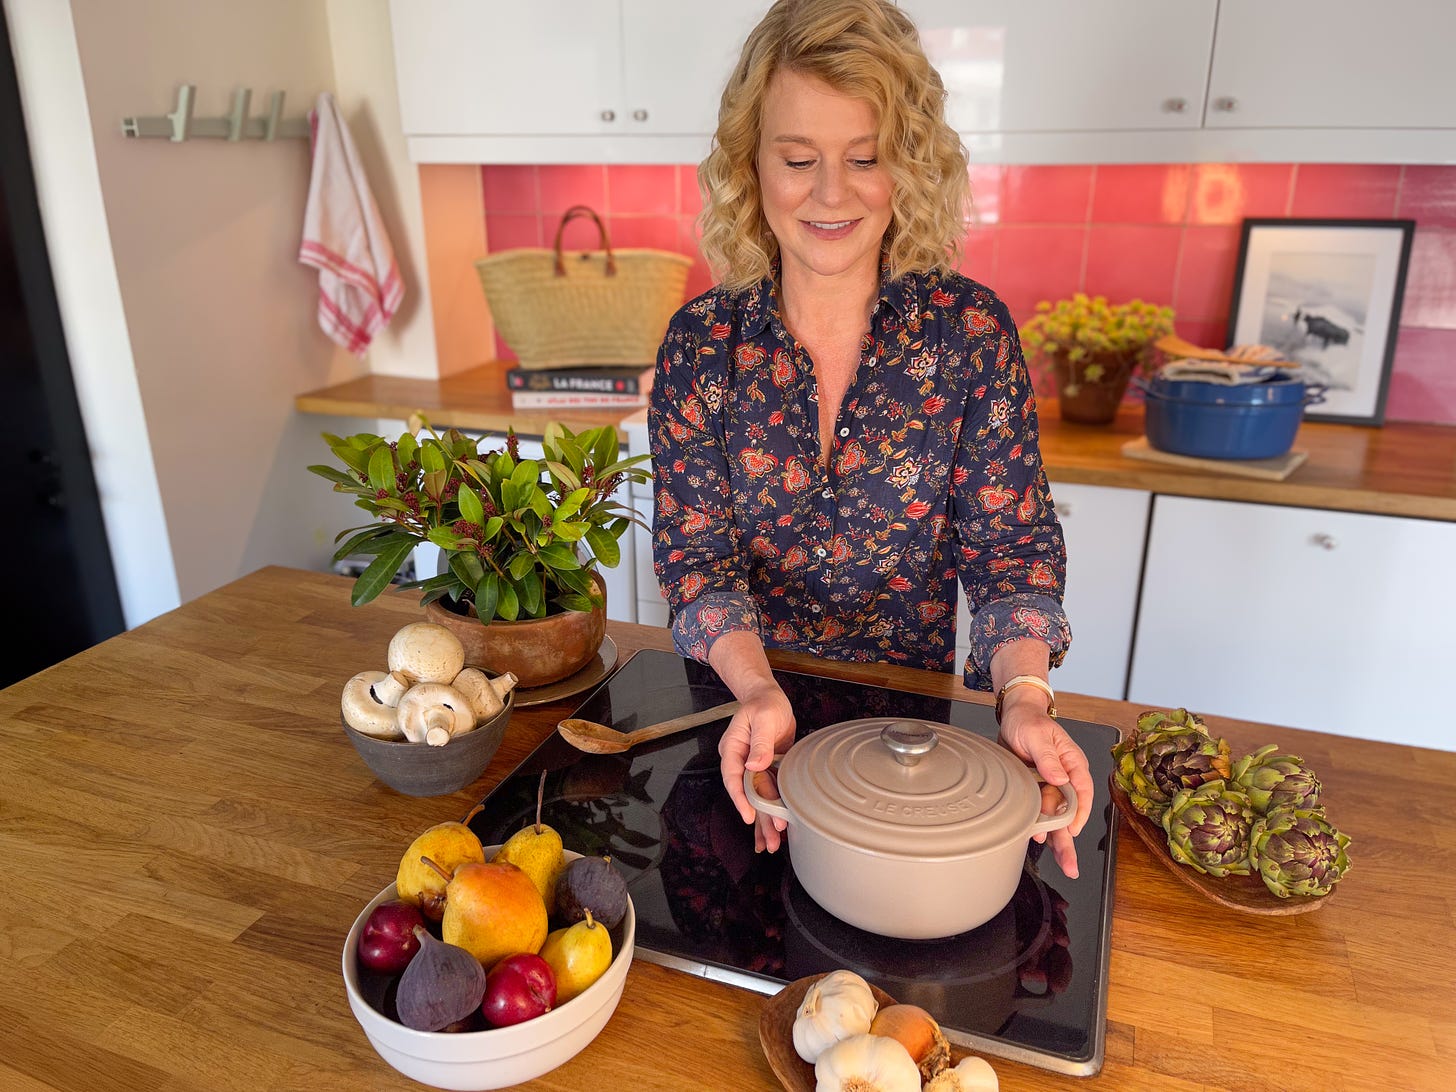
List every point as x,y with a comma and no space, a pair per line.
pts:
344,238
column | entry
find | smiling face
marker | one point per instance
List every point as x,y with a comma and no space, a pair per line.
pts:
825,194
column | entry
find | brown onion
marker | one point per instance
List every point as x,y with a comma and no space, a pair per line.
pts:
915,1030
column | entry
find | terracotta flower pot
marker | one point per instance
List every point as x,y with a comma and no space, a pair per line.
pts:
539,651
1086,401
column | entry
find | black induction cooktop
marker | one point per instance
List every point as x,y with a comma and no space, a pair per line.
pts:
1031,984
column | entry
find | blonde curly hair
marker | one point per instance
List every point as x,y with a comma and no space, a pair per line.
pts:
868,49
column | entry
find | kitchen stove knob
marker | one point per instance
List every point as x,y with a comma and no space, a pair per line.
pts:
1226,104
609,115
1174,106
1324,541
909,740
639,115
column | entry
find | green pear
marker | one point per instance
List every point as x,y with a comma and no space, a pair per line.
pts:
578,955
536,850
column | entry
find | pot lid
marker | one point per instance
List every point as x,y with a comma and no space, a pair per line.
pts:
908,788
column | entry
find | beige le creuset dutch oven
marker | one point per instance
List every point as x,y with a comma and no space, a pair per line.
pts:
906,828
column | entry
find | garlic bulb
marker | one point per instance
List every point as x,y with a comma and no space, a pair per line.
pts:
839,1005
971,1075
866,1063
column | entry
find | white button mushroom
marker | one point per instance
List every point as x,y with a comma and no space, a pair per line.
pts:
487,696
369,703
424,652
433,712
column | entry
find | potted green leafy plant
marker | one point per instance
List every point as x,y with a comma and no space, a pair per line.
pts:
1093,349
523,537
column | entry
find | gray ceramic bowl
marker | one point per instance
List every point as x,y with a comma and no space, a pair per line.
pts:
417,769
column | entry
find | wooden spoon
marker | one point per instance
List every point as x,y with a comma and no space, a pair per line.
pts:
598,739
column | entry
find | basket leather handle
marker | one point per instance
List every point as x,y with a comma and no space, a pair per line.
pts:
571,214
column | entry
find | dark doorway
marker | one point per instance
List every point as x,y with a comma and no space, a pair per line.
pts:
60,589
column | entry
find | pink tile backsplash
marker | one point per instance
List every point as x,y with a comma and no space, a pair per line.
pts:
1138,193
1132,261
1168,233
1345,191
1225,193
1040,195
1428,196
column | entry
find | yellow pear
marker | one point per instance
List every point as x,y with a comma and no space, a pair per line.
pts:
449,845
536,850
493,910
578,955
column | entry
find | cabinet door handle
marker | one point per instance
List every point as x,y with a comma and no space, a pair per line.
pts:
609,115
1063,510
1226,104
639,115
1324,541
1174,106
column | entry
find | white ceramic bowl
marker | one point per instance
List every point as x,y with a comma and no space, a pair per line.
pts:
497,1057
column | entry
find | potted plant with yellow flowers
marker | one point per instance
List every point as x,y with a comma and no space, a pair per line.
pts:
522,537
1093,349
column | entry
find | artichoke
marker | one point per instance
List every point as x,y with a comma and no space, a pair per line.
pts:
1168,753
1208,828
1162,719
1297,852
1275,781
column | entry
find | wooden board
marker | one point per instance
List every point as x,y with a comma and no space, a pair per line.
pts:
1246,894
776,1034
1272,470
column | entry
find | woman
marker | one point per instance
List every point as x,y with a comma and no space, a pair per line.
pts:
845,425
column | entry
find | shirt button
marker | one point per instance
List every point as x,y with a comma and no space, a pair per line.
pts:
815,607
844,431
822,552
828,493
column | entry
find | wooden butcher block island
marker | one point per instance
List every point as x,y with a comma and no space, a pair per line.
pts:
187,835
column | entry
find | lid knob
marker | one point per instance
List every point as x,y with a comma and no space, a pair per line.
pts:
909,740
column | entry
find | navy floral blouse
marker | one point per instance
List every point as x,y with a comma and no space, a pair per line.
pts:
934,475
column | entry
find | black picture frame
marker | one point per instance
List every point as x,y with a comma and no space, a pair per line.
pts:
1328,294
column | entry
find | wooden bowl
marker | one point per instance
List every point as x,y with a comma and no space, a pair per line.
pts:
417,769
1247,894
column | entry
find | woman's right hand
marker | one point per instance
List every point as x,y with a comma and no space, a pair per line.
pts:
762,728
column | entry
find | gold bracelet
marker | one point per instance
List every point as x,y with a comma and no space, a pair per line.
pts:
1027,680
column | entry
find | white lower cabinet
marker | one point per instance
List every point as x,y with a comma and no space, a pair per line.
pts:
1104,528
1332,621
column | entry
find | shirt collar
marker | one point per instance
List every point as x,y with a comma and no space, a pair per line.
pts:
902,294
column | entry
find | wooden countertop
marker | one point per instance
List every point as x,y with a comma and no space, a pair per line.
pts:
1401,469
186,837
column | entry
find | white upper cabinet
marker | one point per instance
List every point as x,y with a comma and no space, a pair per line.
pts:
1015,67
546,67
1030,81
496,81
1342,64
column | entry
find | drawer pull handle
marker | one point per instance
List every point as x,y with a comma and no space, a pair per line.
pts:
1324,541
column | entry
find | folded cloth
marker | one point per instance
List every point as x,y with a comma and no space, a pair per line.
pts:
344,238
1225,373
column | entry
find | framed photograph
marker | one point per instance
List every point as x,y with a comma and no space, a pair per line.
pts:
1326,293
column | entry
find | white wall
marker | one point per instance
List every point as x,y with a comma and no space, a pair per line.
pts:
188,319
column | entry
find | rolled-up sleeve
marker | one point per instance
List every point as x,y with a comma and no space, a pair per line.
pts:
1009,549
695,540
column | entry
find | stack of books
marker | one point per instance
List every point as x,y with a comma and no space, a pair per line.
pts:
579,388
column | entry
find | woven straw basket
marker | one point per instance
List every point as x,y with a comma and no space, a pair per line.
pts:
608,307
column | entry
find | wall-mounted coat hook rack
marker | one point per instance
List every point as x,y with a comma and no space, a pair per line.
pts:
180,125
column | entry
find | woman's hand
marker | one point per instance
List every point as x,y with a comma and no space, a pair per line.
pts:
1036,738
762,728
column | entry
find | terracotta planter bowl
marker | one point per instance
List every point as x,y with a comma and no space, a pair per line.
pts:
539,651
417,769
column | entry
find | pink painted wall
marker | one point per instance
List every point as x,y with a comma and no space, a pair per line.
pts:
1167,233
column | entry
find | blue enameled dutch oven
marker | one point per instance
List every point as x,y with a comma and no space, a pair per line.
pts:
1218,421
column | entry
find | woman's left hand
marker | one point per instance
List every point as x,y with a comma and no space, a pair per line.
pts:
1038,739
